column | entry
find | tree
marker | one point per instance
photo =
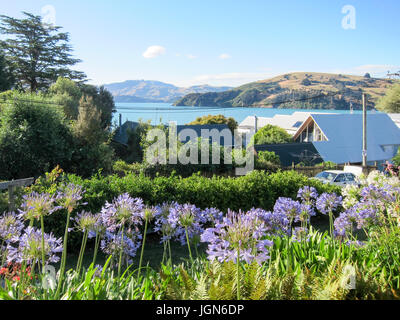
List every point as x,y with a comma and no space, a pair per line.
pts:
67,93
6,78
271,135
390,103
367,75
37,52
92,149
218,119
34,138
104,102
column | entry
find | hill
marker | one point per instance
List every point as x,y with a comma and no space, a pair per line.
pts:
300,90
154,91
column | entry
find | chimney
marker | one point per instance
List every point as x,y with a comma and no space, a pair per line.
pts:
255,124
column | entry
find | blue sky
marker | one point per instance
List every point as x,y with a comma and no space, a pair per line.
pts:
222,42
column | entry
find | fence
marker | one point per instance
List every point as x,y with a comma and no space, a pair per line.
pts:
11,185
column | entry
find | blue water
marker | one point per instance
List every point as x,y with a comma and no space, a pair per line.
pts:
165,112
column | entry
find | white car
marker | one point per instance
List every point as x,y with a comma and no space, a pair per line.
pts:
337,177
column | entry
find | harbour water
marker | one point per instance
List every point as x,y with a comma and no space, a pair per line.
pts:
165,112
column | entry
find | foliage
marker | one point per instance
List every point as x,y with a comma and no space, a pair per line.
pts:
33,137
271,134
327,165
67,93
6,78
396,159
37,52
218,119
390,103
267,159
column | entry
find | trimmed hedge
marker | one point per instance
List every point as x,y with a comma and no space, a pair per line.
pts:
257,189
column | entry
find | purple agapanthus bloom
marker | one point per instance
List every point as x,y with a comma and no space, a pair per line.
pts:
162,223
86,221
379,194
186,218
70,195
328,202
35,205
275,222
238,234
307,194
212,215
288,207
29,248
113,244
123,211
10,227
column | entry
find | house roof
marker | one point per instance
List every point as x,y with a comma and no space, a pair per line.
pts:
290,153
289,122
344,134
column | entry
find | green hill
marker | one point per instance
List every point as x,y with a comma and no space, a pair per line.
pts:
300,90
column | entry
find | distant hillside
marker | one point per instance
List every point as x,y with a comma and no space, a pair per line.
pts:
154,91
333,91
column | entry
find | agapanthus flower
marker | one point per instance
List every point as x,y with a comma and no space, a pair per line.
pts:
123,211
238,237
10,227
288,207
86,221
162,224
212,214
70,195
186,219
29,248
307,194
113,244
381,194
35,205
275,222
328,202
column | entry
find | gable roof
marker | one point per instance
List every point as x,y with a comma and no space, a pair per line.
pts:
344,134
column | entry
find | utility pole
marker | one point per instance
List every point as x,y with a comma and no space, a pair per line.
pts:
364,151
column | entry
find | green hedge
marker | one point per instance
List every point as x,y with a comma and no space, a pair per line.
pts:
257,189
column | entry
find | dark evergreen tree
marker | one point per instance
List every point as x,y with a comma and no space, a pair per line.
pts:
37,52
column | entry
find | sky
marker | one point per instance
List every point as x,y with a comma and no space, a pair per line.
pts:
223,42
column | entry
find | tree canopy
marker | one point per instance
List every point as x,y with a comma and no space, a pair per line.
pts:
218,119
37,52
390,102
6,78
271,135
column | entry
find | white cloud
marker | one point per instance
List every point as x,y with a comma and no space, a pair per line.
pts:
191,56
153,52
224,56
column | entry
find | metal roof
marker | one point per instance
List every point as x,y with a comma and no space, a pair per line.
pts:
344,133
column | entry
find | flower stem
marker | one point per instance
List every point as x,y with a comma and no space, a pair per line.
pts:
121,251
43,251
238,274
96,248
188,243
64,255
81,253
141,253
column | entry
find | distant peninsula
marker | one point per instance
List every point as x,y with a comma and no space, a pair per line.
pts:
299,90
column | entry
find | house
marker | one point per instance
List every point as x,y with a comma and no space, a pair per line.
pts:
288,122
339,137
395,117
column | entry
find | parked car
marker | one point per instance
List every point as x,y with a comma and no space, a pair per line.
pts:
337,177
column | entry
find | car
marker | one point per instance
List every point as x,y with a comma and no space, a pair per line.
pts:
337,177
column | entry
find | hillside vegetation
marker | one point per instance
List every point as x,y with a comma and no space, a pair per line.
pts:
298,91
